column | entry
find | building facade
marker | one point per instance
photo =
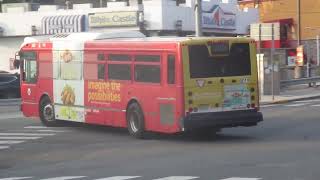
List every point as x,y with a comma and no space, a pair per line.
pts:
287,14
152,17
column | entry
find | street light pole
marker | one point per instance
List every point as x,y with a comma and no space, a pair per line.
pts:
318,53
298,23
198,17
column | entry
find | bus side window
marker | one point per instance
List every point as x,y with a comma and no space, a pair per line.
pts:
119,71
101,71
171,69
101,66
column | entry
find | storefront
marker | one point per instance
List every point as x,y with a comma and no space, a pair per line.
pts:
291,30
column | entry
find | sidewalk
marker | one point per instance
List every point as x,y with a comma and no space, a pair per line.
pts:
292,93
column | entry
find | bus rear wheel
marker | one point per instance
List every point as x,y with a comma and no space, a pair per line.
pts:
47,116
135,121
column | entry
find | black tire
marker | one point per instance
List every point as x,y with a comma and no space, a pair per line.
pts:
135,121
46,113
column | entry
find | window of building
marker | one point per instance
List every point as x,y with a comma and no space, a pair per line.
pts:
147,73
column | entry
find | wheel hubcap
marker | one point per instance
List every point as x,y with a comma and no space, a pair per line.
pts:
48,112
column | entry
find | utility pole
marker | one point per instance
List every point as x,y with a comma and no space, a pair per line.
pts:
318,53
298,69
101,3
198,17
272,62
298,22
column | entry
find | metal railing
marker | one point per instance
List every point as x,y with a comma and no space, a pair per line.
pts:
284,83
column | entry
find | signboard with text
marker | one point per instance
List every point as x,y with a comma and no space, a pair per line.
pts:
113,19
216,18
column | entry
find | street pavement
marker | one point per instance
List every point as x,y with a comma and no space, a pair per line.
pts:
285,146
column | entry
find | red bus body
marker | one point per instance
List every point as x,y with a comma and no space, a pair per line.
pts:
149,96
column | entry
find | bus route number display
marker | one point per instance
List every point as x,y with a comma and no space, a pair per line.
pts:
219,48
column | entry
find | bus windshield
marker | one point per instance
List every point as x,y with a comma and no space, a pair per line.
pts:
235,62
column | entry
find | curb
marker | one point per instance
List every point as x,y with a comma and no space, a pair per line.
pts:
290,100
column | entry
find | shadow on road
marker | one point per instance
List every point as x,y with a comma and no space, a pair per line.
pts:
179,137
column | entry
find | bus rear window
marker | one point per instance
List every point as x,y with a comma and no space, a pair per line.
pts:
236,63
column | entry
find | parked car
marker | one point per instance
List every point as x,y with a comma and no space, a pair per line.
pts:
9,85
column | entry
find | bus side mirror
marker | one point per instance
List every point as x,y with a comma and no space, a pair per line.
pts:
16,61
16,64
23,76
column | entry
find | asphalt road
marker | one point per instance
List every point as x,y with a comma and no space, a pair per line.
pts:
286,146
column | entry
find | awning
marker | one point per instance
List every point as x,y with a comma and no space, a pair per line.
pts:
63,24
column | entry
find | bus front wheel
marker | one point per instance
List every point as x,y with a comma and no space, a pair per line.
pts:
135,121
47,112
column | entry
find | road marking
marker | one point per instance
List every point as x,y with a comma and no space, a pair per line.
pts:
19,137
119,178
308,101
4,147
316,105
239,178
295,105
11,142
50,130
65,178
36,127
25,134
15,178
178,178
269,105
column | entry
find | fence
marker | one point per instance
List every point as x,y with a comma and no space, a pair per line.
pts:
279,72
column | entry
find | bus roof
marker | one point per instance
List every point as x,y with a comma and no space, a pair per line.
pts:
119,36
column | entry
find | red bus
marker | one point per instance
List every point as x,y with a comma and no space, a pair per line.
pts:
165,85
